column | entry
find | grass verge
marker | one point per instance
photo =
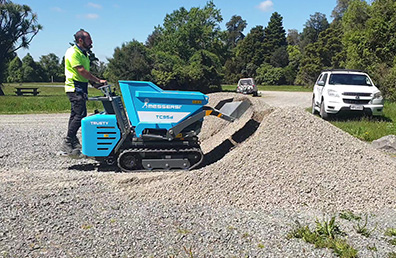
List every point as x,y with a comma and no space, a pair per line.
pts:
52,99
370,129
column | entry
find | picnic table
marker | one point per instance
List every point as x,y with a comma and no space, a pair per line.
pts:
20,91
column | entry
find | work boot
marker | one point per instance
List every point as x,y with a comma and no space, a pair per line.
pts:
76,143
67,146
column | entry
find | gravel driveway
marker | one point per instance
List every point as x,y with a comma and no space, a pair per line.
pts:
287,99
294,167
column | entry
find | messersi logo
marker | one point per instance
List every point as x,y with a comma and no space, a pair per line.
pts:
159,106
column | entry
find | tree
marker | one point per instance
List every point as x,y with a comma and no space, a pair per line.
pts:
327,52
186,31
269,75
274,36
340,9
98,68
280,57
371,44
176,44
232,70
235,27
15,70
293,37
31,71
355,39
169,71
130,62
381,30
312,28
18,27
291,70
52,69
250,51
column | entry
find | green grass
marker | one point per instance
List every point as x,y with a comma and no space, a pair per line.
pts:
368,129
326,235
391,232
50,100
271,88
349,215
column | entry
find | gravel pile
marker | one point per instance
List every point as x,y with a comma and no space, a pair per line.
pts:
294,167
293,159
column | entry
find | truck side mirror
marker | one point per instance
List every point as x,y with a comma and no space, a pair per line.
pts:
321,83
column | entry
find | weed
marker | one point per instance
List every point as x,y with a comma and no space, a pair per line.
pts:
261,245
343,249
372,248
391,255
86,226
325,236
392,241
183,231
188,251
348,215
362,229
231,228
245,235
390,232
328,228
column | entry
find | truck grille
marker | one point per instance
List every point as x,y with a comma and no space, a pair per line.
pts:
360,94
356,101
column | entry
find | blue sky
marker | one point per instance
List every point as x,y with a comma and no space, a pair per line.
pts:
112,23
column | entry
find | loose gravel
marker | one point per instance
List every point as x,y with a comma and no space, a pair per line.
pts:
294,167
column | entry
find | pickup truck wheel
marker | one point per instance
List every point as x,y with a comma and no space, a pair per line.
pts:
314,112
323,113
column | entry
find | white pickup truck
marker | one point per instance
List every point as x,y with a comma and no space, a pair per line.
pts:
346,91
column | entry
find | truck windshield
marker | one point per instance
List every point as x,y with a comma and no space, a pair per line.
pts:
350,79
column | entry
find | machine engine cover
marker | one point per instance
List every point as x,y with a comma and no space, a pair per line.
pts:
100,134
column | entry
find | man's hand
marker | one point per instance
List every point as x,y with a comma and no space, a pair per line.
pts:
81,70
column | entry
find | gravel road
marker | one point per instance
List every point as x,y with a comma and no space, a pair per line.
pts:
287,99
293,167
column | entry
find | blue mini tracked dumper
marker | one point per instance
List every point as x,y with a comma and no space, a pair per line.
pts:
158,130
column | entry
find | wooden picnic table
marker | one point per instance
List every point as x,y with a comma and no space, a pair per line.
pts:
20,91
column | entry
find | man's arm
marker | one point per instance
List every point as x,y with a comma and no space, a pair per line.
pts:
89,76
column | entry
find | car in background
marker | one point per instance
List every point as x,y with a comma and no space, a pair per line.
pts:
247,86
342,91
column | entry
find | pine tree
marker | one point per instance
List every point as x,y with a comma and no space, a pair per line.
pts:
15,70
275,36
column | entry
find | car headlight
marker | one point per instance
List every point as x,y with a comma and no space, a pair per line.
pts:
377,95
333,93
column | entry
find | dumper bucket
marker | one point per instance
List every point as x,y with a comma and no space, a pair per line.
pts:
231,110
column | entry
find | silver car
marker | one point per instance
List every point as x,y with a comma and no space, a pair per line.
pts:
247,86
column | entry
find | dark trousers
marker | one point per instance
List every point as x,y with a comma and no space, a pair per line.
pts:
78,112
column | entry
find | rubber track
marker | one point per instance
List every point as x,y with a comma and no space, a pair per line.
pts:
155,150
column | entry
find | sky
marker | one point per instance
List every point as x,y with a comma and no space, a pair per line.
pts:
114,22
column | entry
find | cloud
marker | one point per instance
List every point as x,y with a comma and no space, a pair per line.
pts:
266,6
57,9
91,16
93,5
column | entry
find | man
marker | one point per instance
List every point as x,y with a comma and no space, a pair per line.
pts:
77,66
